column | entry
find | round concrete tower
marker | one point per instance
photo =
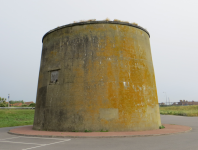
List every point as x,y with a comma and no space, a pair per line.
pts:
97,76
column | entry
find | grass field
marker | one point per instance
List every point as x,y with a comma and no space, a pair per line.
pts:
180,110
20,117
16,117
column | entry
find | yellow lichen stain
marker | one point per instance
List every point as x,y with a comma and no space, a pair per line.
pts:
53,53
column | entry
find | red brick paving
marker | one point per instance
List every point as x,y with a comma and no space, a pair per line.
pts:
169,129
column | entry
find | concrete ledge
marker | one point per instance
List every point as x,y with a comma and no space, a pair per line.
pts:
169,129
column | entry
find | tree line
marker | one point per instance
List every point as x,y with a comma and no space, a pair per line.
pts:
11,102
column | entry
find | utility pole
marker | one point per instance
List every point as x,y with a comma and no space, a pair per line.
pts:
166,98
8,99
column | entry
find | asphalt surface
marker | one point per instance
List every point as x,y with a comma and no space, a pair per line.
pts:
180,141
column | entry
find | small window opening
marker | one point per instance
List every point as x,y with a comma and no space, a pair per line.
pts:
54,76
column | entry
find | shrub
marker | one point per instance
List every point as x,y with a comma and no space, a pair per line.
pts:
32,105
107,19
135,24
2,105
117,20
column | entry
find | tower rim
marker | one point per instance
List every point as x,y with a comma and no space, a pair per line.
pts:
95,22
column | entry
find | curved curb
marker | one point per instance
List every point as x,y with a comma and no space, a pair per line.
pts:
169,129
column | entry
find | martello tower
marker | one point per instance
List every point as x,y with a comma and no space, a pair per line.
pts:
97,75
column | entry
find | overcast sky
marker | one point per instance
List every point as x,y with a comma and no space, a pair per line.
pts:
172,24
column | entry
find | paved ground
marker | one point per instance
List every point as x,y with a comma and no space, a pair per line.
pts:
180,141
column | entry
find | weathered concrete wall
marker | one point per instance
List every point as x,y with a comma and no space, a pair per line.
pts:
105,80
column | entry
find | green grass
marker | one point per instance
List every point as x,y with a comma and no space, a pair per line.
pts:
180,110
103,130
16,117
87,131
20,117
161,127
